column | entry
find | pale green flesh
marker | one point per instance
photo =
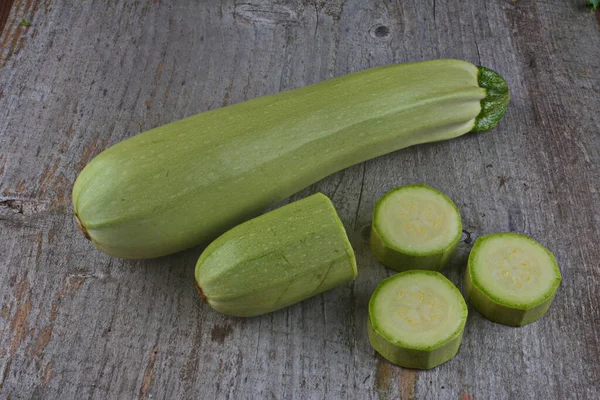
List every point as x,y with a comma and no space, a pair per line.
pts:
418,310
416,319
277,259
184,183
514,270
417,219
415,227
511,279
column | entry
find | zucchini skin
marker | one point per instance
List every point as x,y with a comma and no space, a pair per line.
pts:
413,358
277,259
184,183
501,313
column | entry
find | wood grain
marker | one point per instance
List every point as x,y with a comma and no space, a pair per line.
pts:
77,324
5,7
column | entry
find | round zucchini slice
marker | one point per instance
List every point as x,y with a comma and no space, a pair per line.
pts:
415,227
511,279
416,319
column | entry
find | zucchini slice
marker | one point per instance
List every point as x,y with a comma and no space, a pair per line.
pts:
416,319
415,227
511,279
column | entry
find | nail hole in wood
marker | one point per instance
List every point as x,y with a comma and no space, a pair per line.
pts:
382,31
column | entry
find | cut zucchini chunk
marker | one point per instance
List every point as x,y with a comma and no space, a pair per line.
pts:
277,259
416,319
415,227
511,279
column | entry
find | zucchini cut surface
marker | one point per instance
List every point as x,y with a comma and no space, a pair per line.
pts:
415,227
416,319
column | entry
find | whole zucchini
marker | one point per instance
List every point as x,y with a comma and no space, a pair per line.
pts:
184,183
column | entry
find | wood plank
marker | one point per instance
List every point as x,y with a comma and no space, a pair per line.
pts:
5,8
76,323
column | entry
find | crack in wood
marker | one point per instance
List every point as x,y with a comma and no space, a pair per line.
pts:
266,13
148,377
26,207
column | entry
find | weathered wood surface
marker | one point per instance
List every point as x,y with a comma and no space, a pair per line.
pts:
78,324
5,8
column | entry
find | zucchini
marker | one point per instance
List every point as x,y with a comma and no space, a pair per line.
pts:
415,227
416,319
511,279
277,259
184,183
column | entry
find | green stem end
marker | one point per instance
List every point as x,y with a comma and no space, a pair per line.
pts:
493,105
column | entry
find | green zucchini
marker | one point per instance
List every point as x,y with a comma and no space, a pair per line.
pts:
511,279
415,227
416,319
184,183
277,259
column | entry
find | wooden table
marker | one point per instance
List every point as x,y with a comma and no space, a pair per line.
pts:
77,324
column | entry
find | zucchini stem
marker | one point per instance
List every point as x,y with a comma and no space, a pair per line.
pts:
494,104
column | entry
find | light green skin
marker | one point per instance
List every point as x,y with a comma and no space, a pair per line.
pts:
410,357
277,259
184,183
403,260
498,310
